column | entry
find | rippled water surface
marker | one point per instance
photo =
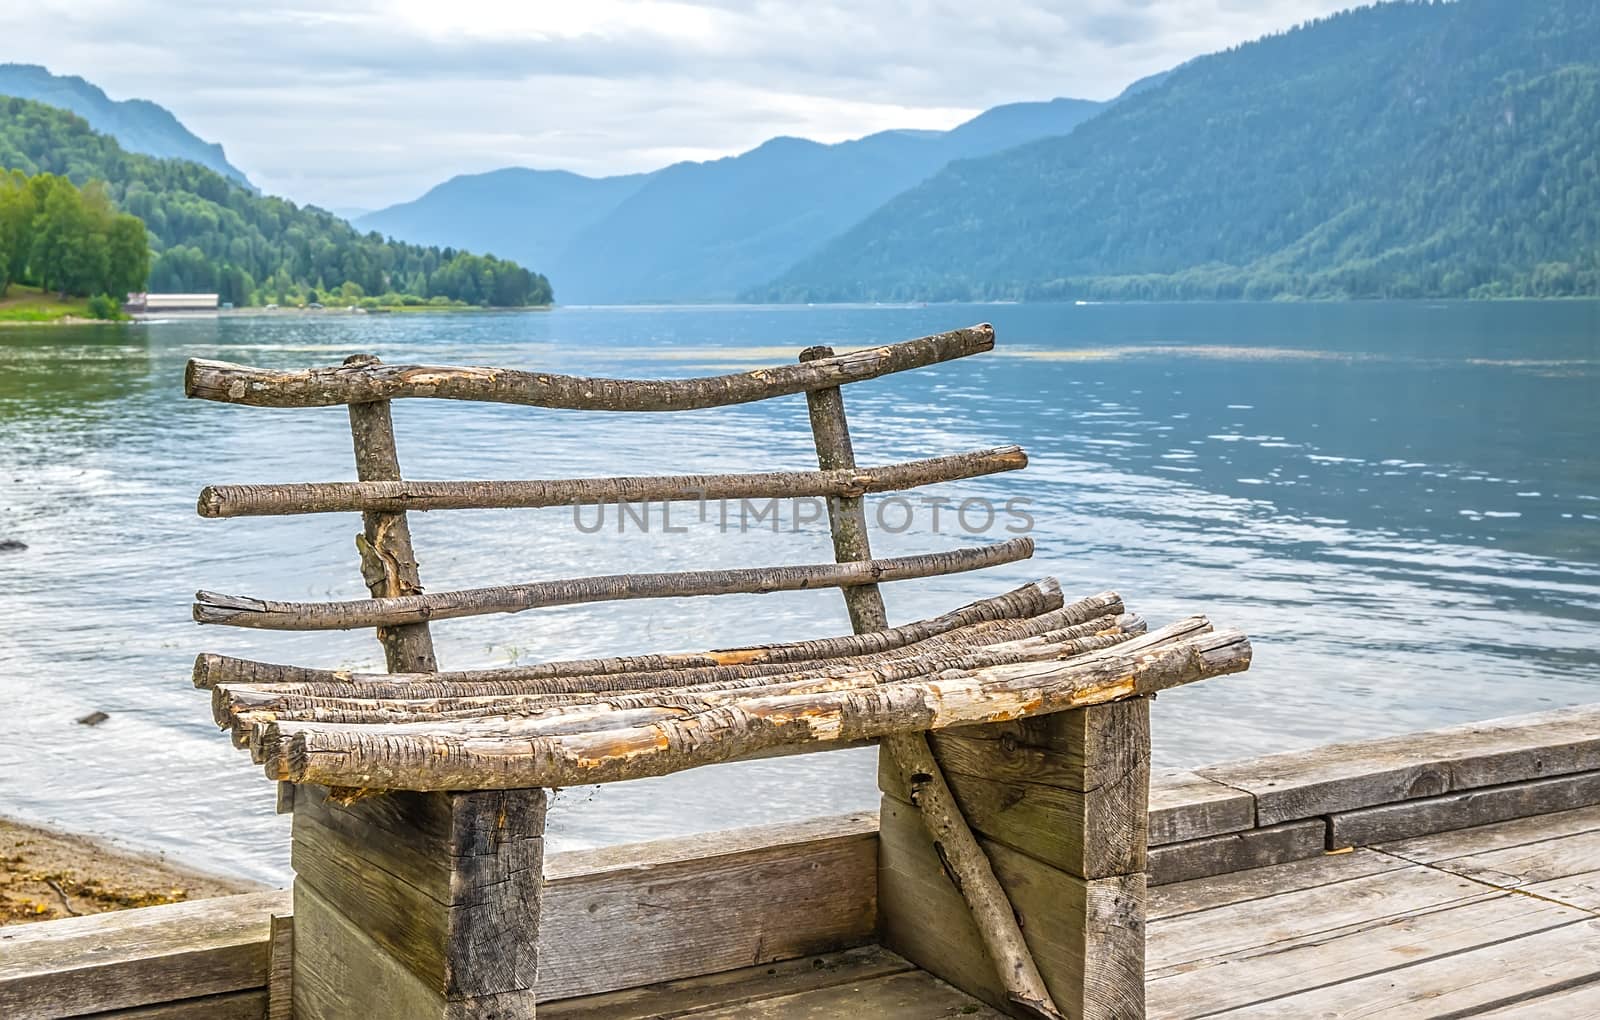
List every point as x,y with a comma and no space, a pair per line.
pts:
1400,503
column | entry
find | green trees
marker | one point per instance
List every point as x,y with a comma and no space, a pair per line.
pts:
209,234
55,236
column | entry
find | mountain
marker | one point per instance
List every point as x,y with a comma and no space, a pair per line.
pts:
137,124
702,231
529,215
1401,150
209,233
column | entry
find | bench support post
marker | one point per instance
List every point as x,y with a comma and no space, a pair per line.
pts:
1059,805
909,755
417,906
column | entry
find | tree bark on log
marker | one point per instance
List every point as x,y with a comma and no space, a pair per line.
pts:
358,384
388,563
435,756
1024,603
925,657
968,867
395,496
238,707
244,611
1026,634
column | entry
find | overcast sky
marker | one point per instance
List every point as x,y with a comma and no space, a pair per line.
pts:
370,102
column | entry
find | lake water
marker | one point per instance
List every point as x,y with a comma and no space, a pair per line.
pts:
1400,504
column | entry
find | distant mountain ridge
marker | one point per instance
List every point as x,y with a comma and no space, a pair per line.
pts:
1407,149
534,213
138,125
702,231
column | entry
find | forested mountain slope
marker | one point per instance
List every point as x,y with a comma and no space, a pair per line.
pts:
138,125
1404,150
209,233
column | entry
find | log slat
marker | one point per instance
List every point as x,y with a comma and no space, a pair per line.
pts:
1029,601
238,706
451,755
244,611
393,497
358,384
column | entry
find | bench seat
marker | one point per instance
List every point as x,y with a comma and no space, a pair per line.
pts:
1024,653
1013,733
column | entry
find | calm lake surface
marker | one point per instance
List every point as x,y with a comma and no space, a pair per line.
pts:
1400,504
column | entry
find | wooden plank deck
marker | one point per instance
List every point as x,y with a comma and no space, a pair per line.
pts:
1475,890
1500,920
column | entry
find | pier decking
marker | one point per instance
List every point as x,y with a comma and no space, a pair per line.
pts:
1498,920
1418,912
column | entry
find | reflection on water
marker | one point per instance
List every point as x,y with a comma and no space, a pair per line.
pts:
1400,503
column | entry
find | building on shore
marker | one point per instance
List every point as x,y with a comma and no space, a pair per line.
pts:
171,304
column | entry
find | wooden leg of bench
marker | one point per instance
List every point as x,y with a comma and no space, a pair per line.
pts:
1059,804
413,906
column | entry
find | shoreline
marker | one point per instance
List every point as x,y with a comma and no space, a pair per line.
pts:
47,874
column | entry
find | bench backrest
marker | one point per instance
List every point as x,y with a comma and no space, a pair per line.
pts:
401,612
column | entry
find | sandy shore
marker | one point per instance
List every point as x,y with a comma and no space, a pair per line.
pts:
46,875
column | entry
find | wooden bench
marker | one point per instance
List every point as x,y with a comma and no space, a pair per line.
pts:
1014,737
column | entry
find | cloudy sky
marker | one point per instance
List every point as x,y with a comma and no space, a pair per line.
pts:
368,102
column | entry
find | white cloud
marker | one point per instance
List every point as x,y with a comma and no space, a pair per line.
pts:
368,102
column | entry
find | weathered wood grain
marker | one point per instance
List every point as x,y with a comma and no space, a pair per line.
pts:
1189,941
709,903
1344,777
912,995
363,383
394,916
1564,999
401,610
1462,810
1253,980
388,562
1186,806
1029,602
1087,935
145,957
227,1006
1237,851
398,496
1469,984
399,757
246,707
468,926
1068,789
351,975
742,987
280,968
1195,895
1554,857
1531,833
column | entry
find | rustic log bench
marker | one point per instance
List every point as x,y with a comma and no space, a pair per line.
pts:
1013,732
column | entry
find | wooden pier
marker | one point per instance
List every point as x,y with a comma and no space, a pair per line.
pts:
1447,874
